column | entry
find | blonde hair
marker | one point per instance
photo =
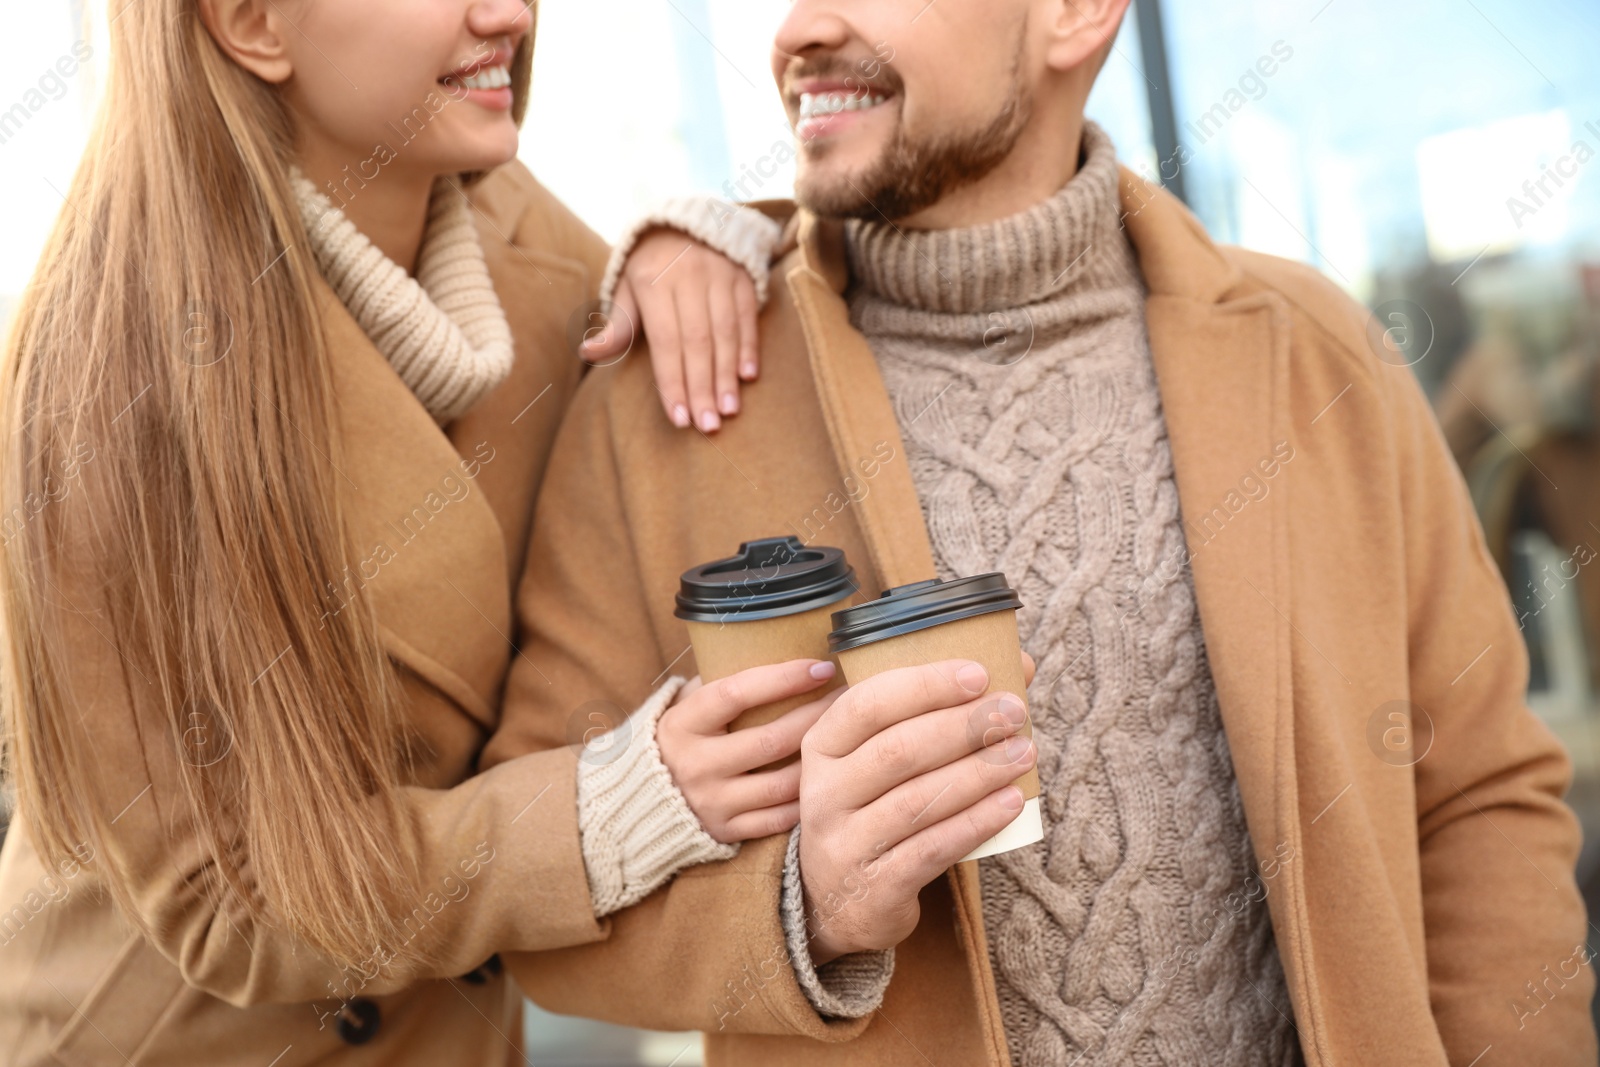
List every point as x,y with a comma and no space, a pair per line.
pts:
203,506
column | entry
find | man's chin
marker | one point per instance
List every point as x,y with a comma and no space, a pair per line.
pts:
834,193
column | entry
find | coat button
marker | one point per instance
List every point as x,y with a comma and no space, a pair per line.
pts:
358,1021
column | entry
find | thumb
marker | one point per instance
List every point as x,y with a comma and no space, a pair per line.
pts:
611,329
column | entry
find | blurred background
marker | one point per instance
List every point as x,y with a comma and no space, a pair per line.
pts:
1439,159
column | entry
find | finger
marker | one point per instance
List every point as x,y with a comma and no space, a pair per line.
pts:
885,699
610,337
749,311
745,750
753,792
764,823
943,792
1029,669
725,334
694,326
718,703
917,746
925,855
660,320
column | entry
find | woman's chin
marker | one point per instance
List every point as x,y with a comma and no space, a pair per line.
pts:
487,155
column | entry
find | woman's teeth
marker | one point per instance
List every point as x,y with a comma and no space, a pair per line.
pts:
814,104
488,78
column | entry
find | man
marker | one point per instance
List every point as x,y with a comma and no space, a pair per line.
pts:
1295,809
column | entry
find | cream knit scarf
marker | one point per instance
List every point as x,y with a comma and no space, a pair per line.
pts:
443,331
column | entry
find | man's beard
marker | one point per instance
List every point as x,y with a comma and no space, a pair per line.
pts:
912,175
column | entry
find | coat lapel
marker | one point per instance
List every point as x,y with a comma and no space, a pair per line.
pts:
429,548
857,410
1215,368
1222,367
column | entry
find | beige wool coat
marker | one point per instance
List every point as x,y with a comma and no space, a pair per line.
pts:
503,868
1421,893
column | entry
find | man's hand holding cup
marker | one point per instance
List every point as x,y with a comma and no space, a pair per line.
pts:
902,776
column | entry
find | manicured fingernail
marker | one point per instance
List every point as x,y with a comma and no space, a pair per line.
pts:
748,372
822,669
709,422
730,404
973,678
680,416
1012,709
1010,798
1018,748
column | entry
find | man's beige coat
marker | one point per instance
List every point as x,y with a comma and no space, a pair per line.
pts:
1421,893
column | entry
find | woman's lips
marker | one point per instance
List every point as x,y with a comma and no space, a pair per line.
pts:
487,86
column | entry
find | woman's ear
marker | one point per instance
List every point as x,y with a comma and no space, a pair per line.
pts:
251,32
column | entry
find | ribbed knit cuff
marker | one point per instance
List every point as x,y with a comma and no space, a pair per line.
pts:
636,828
743,234
846,988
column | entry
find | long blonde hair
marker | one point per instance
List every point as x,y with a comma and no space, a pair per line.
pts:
169,450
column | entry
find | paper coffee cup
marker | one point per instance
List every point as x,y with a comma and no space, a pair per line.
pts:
770,603
965,618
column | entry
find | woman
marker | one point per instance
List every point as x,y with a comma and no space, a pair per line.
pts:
271,452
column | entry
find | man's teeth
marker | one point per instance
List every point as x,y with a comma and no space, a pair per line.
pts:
488,78
814,104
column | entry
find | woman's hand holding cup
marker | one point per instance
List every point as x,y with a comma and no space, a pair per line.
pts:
712,765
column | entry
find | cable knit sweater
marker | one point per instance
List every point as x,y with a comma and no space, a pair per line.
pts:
1016,357
446,336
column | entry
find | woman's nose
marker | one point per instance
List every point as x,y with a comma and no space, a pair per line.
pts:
500,18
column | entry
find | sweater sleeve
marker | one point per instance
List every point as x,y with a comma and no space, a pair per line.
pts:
744,235
846,988
637,828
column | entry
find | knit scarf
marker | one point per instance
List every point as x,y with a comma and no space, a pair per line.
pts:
443,332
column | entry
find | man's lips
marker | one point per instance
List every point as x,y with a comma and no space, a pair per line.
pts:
828,107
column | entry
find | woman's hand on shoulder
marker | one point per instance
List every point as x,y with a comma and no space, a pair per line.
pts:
697,309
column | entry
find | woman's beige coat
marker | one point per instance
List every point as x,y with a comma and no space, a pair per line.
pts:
443,520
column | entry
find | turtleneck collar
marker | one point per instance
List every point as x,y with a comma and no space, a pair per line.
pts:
1011,262
443,332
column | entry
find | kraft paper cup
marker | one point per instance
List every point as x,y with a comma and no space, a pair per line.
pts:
770,603
965,618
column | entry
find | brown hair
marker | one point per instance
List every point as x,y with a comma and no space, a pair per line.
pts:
170,460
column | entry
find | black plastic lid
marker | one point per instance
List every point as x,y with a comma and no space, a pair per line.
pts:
908,608
767,579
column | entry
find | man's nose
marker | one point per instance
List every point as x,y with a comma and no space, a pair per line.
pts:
810,25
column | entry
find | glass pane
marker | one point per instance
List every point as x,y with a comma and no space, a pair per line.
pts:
1120,100
682,101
